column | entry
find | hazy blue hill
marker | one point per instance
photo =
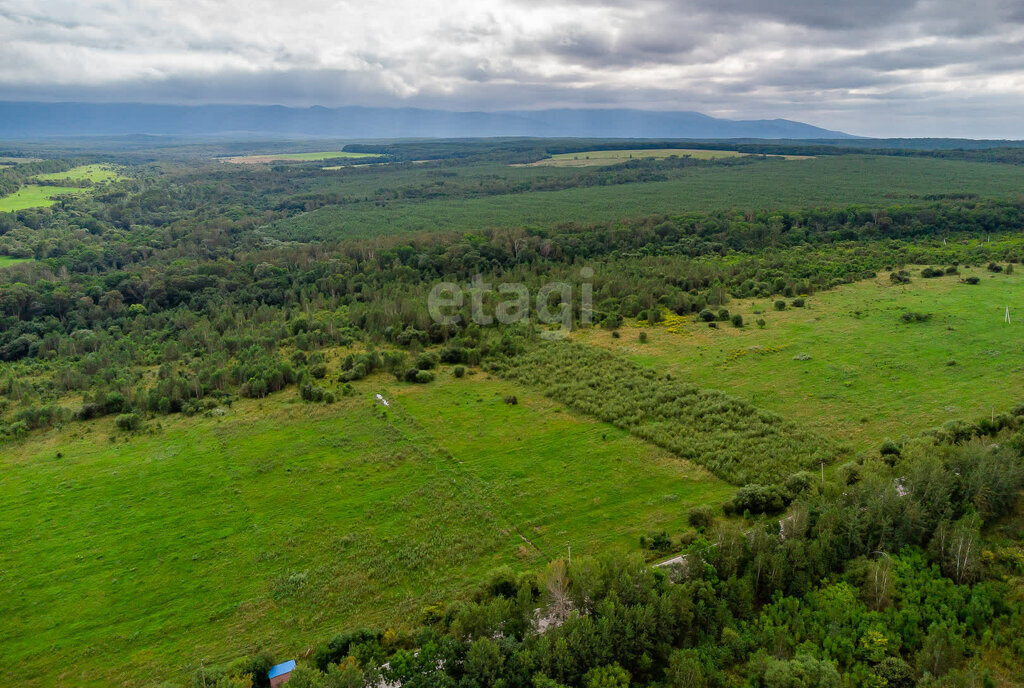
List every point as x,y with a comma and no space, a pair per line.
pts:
19,120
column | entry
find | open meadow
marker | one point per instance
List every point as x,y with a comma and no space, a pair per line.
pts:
847,365
613,157
597,158
279,522
93,173
35,196
295,157
7,261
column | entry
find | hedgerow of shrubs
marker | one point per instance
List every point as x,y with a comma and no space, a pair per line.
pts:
731,438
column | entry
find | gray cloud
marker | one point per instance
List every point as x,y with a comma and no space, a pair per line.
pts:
879,67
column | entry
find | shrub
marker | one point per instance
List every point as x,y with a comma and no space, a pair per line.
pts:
952,270
459,371
129,422
889,448
761,323
723,315
659,542
850,473
913,317
701,516
654,316
797,302
615,334
971,280
423,377
707,315
511,400
932,272
426,361
798,483
318,371
780,305
1009,269
899,277
315,394
759,499
995,267
737,320
643,337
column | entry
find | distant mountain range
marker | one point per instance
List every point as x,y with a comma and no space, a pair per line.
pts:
26,120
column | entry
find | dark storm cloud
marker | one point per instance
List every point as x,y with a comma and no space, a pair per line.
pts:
873,67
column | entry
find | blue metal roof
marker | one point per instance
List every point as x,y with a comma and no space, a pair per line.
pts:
281,669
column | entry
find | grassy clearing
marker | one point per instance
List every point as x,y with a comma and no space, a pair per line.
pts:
8,261
293,157
39,196
93,173
822,181
280,523
869,375
34,196
612,157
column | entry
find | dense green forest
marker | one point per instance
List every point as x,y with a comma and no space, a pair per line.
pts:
189,283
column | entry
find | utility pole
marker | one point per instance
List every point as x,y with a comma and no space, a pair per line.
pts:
823,474
569,545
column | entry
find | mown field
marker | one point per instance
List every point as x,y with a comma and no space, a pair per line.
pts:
868,375
279,522
612,157
301,157
822,181
93,173
34,196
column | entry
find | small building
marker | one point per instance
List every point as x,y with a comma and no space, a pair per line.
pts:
280,673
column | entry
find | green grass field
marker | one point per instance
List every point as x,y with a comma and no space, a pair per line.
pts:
8,261
612,157
37,196
822,181
303,157
870,376
129,561
33,196
93,173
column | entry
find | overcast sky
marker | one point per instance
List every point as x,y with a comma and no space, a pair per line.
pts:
871,67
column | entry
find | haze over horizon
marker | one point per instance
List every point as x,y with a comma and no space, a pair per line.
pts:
886,69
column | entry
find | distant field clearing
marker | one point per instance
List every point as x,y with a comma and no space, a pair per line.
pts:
94,173
33,196
612,157
295,157
7,261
